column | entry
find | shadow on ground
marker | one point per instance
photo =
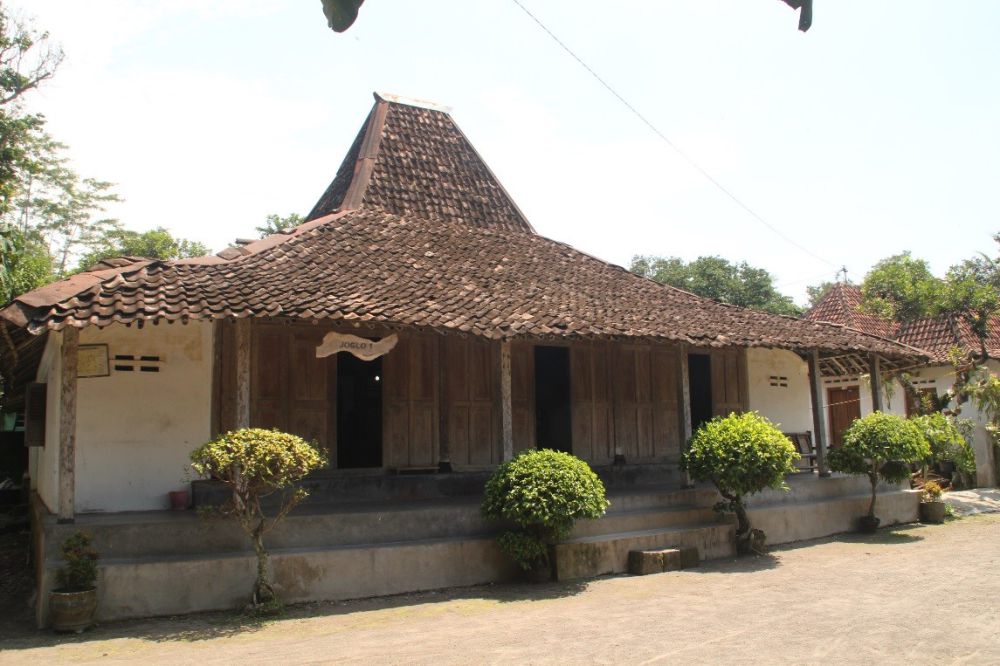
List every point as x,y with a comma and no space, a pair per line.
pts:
221,624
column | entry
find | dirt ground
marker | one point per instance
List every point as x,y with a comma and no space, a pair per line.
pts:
911,594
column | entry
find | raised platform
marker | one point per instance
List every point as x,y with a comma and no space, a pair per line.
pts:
156,563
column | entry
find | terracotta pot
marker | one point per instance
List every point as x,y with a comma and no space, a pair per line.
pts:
178,500
72,611
932,512
868,524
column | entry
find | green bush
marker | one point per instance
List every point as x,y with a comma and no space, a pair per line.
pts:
79,569
947,441
741,454
544,493
255,463
880,446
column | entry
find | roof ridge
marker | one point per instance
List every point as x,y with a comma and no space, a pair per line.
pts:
412,158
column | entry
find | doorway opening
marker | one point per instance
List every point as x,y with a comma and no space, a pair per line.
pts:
359,412
700,384
553,421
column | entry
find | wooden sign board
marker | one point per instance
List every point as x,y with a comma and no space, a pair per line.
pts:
92,361
366,350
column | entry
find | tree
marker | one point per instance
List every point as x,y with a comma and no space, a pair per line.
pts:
275,224
741,454
904,289
156,243
544,493
27,264
26,60
255,464
719,279
880,446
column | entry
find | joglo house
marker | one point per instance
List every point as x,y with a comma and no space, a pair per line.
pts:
420,330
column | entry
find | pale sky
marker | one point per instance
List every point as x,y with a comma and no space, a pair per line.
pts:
877,131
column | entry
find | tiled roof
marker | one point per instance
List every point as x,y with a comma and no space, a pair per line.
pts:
414,160
842,305
371,266
437,263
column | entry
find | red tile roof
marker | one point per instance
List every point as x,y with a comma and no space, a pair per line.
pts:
458,258
414,160
842,305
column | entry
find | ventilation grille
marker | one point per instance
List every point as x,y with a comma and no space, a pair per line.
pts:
132,363
776,380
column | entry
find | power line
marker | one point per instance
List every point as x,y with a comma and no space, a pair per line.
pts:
670,143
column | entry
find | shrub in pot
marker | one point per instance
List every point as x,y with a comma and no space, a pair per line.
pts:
741,454
74,601
255,463
932,507
543,493
879,446
949,444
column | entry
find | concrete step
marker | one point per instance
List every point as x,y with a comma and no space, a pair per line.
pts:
661,497
151,586
646,519
165,533
590,556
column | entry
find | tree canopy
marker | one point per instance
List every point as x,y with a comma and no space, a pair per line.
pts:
719,279
904,289
156,243
275,223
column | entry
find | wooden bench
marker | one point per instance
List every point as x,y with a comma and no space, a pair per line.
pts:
804,445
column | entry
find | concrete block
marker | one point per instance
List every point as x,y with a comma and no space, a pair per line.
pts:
688,556
645,562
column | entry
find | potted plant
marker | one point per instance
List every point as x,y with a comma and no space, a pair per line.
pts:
544,493
73,603
741,454
880,446
932,507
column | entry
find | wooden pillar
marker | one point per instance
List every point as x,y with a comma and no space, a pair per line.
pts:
506,408
244,343
444,445
819,412
67,424
684,409
875,364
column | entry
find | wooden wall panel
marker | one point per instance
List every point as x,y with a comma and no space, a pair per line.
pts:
665,402
728,381
470,380
591,411
644,402
409,402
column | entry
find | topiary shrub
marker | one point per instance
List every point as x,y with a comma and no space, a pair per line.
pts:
947,443
255,463
741,454
544,493
880,446
79,570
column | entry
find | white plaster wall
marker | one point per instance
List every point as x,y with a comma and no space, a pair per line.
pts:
789,407
135,430
941,378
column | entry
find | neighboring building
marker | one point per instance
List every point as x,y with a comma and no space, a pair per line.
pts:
505,340
849,397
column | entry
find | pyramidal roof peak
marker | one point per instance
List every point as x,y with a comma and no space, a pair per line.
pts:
410,158
410,101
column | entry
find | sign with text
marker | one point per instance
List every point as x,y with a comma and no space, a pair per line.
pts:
366,350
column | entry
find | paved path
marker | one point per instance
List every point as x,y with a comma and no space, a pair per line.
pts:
911,595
